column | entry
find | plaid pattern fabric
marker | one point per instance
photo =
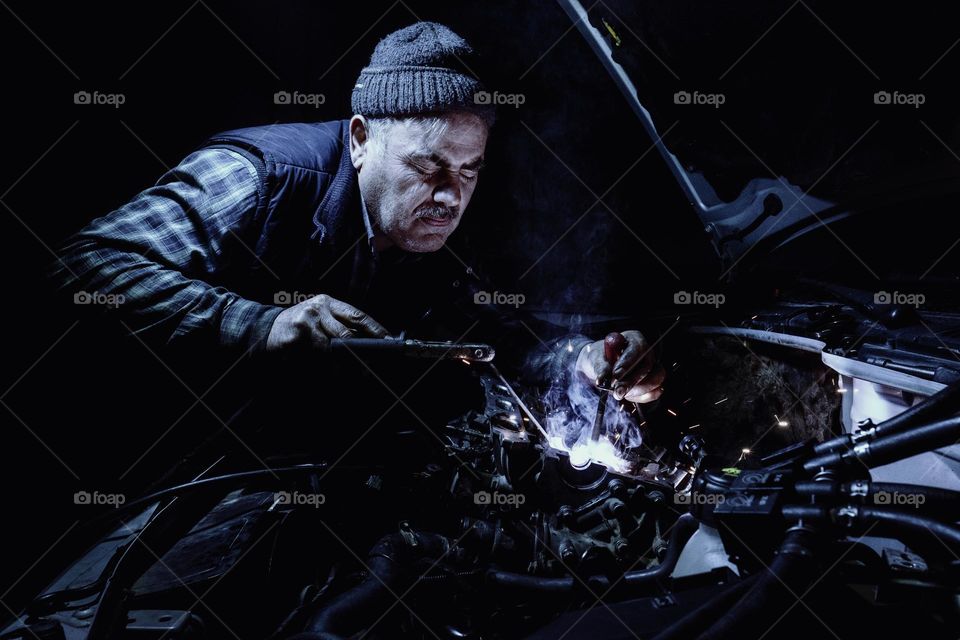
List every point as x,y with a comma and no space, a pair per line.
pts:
157,255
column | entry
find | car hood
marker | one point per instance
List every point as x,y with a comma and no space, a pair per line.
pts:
783,117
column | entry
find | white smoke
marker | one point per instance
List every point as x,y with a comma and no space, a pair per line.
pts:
570,413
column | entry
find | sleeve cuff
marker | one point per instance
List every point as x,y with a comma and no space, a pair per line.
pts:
246,324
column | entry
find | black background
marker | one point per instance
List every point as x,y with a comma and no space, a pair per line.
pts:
83,402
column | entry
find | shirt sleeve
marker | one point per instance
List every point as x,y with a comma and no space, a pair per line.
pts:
155,261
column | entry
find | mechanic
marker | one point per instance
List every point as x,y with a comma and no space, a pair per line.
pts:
353,211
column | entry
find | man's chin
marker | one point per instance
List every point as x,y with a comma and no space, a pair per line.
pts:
426,243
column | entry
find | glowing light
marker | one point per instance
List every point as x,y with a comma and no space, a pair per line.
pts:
780,423
672,412
570,347
583,453
721,400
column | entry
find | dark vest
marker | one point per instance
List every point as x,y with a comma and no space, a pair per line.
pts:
308,236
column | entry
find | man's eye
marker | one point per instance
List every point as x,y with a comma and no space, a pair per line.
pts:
468,175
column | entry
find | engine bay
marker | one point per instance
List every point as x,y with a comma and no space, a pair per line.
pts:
721,509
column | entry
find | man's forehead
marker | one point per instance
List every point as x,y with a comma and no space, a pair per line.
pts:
452,143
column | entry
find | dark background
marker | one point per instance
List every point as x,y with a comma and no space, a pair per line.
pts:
85,406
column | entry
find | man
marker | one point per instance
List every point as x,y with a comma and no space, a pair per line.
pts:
354,212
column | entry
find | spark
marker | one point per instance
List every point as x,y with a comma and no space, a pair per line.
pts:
721,400
570,347
672,412
780,422
694,426
687,400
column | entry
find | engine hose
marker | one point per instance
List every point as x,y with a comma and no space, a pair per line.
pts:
946,533
941,404
893,447
698,620
930,501
774,592
680,533
387,563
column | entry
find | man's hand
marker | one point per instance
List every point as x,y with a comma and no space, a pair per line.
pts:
636,375
313,322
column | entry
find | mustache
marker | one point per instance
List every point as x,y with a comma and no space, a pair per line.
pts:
436,211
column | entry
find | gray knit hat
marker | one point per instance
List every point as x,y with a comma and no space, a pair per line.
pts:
420,69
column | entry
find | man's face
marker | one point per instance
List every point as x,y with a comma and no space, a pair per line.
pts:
417,177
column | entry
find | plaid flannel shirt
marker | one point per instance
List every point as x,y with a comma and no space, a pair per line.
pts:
159,254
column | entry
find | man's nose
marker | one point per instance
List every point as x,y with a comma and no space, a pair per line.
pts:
448,193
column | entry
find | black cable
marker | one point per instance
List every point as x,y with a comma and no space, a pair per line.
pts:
680,533
941,404
892,447
931,501
945,532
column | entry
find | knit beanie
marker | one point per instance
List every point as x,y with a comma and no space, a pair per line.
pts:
420,69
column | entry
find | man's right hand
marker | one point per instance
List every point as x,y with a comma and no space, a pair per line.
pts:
313,322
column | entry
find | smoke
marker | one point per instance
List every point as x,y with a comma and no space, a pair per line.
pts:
571,409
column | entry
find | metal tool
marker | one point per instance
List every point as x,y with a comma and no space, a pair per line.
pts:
468,352
613,346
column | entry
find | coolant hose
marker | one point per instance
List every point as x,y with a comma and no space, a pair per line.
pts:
941,404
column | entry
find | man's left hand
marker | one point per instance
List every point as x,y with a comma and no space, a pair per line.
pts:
636,376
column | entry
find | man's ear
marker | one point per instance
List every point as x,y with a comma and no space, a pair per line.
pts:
359,141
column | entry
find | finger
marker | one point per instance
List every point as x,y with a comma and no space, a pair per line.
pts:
648,396
357,319
653,379
637,359
333,327
603,368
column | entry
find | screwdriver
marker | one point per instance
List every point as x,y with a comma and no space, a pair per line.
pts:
613,346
